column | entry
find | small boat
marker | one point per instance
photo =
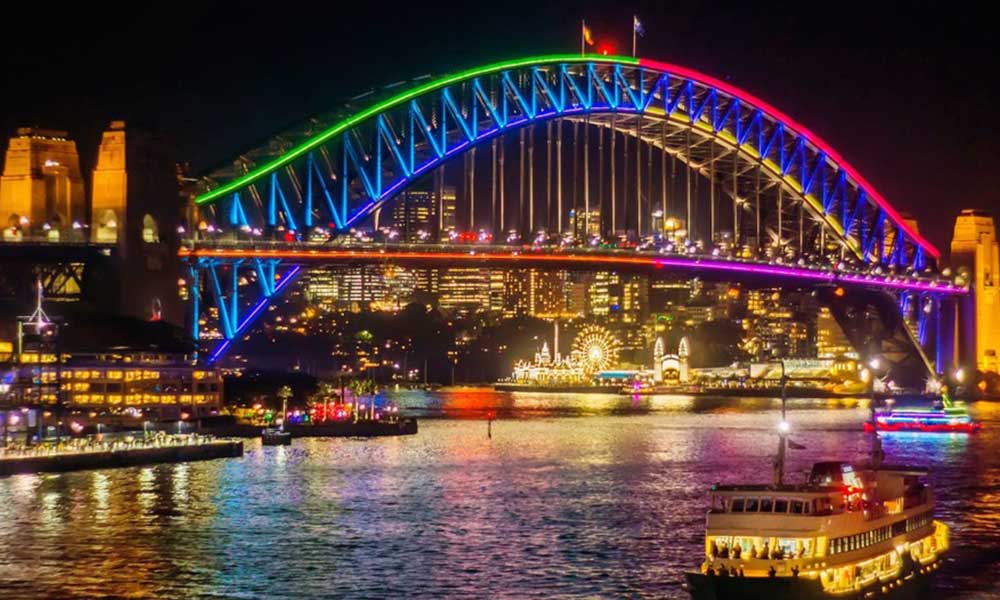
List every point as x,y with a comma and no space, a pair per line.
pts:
275,437
944,416
848,531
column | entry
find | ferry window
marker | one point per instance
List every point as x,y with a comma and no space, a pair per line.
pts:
806,506
781,505
766,504
751,505
736,505
797,507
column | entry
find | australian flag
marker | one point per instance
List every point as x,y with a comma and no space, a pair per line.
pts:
637,26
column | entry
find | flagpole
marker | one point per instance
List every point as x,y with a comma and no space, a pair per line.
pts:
583,37
633,36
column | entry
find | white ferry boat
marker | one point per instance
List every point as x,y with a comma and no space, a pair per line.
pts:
856,532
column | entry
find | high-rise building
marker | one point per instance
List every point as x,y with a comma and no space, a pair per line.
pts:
414,213
464,291
516,293
780,338
448,219
575,291
41,190
547,298
634,299
584,227
974,250
599,294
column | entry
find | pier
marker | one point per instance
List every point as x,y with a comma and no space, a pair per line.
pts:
92,454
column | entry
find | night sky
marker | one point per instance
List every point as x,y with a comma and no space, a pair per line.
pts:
906,93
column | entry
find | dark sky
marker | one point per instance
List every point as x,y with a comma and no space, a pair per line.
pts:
905,92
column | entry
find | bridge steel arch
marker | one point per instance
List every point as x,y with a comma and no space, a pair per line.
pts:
334,177
340,175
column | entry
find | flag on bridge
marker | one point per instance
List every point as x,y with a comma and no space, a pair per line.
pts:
637,29
586,37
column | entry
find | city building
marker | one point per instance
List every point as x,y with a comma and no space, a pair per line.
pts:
547,298
464,291
599,293
974,252
414,213
516,293
41,189
583,227
112,371
830,339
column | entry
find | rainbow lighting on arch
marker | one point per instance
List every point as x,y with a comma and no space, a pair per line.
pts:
334,176
641,104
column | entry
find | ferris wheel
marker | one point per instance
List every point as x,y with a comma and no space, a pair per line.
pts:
596,347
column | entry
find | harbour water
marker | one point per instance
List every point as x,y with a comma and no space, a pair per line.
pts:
574,496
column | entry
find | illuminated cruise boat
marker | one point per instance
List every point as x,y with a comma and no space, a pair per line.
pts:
945,416
846,533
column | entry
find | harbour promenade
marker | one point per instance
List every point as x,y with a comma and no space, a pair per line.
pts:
124,451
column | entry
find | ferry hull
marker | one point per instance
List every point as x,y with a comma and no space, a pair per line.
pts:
920,426
704,587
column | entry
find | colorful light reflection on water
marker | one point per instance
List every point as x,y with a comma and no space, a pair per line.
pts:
593,496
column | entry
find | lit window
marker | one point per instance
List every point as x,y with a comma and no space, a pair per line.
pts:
150,230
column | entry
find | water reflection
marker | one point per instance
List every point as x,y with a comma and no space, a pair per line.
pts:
575,496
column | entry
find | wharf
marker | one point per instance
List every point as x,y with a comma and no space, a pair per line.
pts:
172,449
404,426
558,389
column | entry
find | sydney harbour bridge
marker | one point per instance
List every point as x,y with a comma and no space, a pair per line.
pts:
575,162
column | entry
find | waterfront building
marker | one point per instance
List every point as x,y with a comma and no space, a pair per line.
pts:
119,370
975,253
41,189
779,338
830,339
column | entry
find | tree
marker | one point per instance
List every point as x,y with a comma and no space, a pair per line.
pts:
359,389
324,392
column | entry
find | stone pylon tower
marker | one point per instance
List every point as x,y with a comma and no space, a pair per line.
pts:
974,251
109,198
41,190
136,206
